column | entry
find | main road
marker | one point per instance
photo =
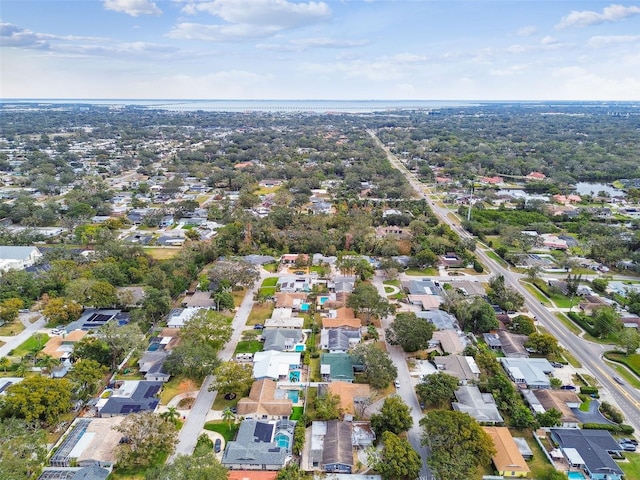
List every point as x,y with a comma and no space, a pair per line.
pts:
588,353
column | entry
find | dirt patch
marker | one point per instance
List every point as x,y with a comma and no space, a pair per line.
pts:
186,403
186,385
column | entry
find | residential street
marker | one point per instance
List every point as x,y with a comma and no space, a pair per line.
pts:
30,329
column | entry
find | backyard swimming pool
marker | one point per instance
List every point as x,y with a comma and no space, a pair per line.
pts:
294,376
299,348
304,307
576,476
293,395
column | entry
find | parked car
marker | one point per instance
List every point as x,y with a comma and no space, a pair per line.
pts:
567,387
396,382
628,440
217,446
557,364
628,447
258,326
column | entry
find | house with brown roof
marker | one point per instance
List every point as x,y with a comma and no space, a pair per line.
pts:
251,475
541,401
538,176
343,317
263,402
590,303
61,347
512,344
508,460
352,395
291,300
448,340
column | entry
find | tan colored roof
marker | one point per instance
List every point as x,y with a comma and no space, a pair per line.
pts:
284,299
507,457
558,399
251,475
449,341
262,401
347,392
341,322
52,346
105,440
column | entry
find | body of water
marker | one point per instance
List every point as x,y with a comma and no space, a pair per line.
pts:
587,188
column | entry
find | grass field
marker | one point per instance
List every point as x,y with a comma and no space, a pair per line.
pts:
138,473
269,282
567,322
162,253
271,267
33,344
176,386
297,413
10,329
395,283
414,272
228,431
248,346
632,361
260,312
631,467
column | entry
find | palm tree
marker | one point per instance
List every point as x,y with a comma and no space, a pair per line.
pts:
171,415
228,416
4,363
22,369
47,362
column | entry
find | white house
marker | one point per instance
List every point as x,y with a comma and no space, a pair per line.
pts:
18,258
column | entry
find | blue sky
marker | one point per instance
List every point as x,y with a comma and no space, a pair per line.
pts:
289,49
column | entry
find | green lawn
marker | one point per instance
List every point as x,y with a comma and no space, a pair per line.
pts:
176,386
497,258
228,431
631,468
268,291
534,291
297,413
625,373
260,312
248,346
11,329
395,283
33,344
632,361
271,267
269,282
584,406
415,272
389,289
138,473
567,322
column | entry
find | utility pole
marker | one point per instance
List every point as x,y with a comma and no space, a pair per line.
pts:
470,204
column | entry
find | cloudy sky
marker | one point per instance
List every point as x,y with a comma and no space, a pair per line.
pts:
299,49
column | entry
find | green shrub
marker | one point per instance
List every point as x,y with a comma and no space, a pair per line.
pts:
589,390
619,429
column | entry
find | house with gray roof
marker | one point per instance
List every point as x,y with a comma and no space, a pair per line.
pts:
281,339
530,372
339,340
331,447
422,287
480,406
260,445
18,258
440,319
464,368
590,450
132,396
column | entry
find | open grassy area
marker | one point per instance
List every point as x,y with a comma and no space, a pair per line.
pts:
535,292
297,412
584,406
227,430
573,361
271,267
270,282
260,312
33,344
497,258
632,361
415,272
11,329
567,322
163,253
248,346
395,283
631,467
138,473
176,386
238,296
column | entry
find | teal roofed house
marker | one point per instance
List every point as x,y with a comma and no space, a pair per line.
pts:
336,367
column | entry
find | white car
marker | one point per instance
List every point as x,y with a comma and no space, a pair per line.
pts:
396,382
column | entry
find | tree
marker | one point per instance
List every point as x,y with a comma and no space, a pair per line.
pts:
366,300
572,287
549,473
232,377
629,340
398,461
395,417
38,398
506,297
5,363
190,467
550,418
10,308
171,415
437,389
379,369
543,343
86,375
146,435
92,348
155,305
192,358
224,300
24,449
523,325
606,321
291,471
120,340
600,284
477,317
458,444
61,310
521,417
533,272
233,273
208,327
410,332
228,416
47,362
327,407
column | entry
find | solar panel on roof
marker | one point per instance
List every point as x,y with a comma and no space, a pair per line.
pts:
151,391
263,432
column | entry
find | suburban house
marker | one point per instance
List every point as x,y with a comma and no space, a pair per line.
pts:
263,402
294,283
18,258
564,401
508,460
353,396
61,347
464,368
275,365
590,450
290,300
260,445
283,318
336,367
528,372
440,319
251,475
131,396
480,406
292,258
198,299
94,318
510,344
448,341
342,284
178,317
331,447
343,318
283,339
590,303
338,340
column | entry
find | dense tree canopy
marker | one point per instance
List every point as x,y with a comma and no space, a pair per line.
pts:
146,435
398,461
395,417
437,389
379,369
24,449
410,332
38,398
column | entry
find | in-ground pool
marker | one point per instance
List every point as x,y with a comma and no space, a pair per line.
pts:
294,376
293,395
299,348
576,476
304,307
153,347
323,299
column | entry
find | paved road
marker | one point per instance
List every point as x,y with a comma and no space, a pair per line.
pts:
30,329
406,390
587,353
192,427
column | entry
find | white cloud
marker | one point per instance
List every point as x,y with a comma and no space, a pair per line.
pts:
585,18
328,43
526,31
249,18
508,71
14,36
548,40
612,40
133,7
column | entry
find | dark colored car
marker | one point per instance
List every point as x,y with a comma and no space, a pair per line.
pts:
258,326
217,446
628,440
567,387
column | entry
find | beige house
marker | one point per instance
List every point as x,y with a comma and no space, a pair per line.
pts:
262,402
